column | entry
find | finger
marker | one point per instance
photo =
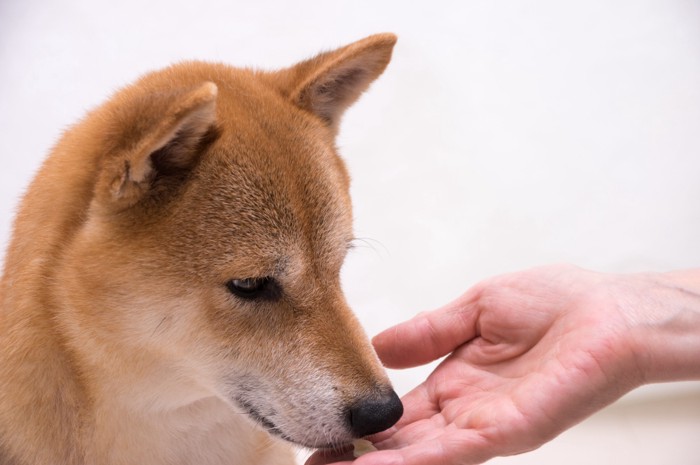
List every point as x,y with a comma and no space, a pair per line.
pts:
459,447
429,335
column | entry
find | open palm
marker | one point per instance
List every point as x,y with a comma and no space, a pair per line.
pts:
530,354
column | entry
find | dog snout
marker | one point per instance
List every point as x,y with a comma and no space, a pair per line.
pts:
374,414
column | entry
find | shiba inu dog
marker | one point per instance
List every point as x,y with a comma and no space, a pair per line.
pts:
171,293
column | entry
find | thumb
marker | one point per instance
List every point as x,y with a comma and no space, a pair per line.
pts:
430,335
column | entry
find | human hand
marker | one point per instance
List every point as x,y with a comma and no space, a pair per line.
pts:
531,354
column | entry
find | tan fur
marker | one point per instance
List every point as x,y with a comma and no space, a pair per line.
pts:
119,341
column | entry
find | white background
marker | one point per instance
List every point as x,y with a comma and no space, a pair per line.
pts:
504,135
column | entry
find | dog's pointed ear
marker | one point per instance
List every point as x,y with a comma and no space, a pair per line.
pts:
160,138
329,83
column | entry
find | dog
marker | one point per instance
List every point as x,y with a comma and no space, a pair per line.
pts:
171,292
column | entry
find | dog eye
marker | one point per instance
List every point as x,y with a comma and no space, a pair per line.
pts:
254,288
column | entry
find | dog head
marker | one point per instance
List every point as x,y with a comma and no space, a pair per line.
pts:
213,240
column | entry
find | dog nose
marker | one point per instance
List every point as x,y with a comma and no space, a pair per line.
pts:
375,414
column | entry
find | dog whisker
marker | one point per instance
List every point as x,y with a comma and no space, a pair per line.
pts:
368,243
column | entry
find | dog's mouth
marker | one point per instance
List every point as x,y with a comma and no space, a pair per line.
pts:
269,426
262,420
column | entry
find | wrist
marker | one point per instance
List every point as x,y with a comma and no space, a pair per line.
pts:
665,326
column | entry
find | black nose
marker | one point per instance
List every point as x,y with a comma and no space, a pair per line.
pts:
375,414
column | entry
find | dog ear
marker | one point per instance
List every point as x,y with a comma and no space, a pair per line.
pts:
329,83
158,137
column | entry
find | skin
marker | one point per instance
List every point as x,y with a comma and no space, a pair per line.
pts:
530,355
